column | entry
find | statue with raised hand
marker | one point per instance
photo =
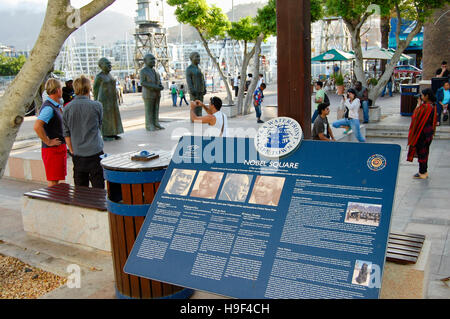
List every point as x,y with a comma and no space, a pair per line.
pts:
195,81
106,93
151,93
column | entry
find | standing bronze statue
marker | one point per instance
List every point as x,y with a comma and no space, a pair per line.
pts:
105,92
151,93
195,81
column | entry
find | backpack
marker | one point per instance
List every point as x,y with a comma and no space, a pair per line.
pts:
181,93
326,100
174,90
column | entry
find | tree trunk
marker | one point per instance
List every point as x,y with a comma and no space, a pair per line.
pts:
355,31
385,28
245,62
216,63
255,79
56,28
401,46
434,38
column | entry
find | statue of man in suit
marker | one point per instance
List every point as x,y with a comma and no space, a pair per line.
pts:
151,93
195,81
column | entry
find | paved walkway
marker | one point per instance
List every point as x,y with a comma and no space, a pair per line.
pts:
421,206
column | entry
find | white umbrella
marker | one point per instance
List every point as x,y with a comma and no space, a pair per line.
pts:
382,54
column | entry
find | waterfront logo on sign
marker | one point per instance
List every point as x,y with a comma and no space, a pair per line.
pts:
376,162
278,137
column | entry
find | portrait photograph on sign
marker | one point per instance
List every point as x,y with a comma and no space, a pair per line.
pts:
363,214
267,190
207,184
361,273
180,181
236,187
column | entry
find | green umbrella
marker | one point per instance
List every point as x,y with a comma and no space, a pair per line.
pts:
333,55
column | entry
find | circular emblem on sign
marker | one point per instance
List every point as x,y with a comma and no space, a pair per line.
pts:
278,137
376,162
328,56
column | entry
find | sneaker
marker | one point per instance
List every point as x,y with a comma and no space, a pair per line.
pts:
259,121
347,130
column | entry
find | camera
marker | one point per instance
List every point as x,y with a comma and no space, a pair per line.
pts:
418,95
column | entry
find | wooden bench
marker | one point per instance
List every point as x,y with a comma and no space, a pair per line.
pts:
77,196
68,214
404,248
407,267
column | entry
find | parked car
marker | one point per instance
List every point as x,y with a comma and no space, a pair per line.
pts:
407,69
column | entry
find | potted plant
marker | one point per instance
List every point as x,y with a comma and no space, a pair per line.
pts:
372,82
339,81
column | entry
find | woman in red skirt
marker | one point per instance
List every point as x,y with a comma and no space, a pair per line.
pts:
49,128
421,131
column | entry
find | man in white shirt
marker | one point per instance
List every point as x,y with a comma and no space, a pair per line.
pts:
351,118
217,120
261,80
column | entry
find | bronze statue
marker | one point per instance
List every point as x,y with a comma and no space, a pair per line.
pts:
151,93
195,81
105,92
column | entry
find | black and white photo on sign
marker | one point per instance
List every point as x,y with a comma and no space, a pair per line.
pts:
267,190
236,187
207,184
180,181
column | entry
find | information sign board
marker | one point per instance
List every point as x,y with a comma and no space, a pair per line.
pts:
313,224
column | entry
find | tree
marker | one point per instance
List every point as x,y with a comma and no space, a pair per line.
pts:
267,22
245,30
61,20
356,12
211,24
11,66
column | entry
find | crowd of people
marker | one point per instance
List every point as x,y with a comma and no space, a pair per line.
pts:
430,111
69,122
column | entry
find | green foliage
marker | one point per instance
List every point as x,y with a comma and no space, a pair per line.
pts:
317,10
267,18
11,66
353,10
372,81
339,79
210,21
245,29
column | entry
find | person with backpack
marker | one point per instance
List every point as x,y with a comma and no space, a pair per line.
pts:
182,95
174,91
321,97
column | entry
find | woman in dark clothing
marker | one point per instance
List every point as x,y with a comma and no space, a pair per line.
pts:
421,131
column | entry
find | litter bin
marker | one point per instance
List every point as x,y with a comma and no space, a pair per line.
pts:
131,187
407,100
437,83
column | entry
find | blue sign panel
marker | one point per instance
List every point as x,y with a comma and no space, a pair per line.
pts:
313,224
405,29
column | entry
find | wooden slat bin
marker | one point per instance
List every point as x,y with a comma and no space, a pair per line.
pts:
132,186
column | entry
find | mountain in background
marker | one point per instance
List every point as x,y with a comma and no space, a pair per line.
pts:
20,28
